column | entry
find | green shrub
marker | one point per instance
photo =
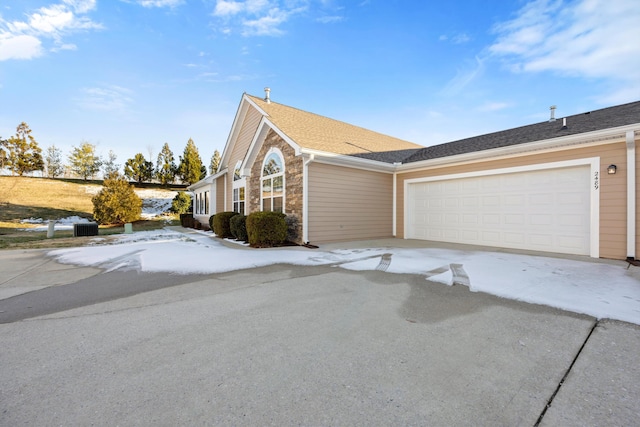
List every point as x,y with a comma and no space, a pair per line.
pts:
211,222
221,224
238,225
181,203
117,202
266,229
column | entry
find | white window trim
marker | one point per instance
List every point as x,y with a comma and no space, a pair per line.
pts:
274,150
242,182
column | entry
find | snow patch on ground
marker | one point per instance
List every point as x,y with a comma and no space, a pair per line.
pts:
60,224
155,203
599,289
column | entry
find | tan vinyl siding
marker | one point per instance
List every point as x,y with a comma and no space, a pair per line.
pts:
348,204
240,148
613,196
220,194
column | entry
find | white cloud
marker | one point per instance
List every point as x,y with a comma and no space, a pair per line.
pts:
493,106
19,47
256,17
266,25
464,78
226,8
160,3
81,6
459,38
107,98
330,19
24,39
584,38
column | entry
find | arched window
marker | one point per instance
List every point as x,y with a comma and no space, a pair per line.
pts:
272,182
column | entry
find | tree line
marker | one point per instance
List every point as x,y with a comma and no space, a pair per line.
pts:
21,154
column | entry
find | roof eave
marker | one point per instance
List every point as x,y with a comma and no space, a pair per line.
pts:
348,161
601,136
207,180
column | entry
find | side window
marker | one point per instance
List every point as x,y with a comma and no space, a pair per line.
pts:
272,182
238,189
238,200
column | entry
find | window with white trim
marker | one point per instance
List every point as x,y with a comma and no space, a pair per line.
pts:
272,182
238,200
238,189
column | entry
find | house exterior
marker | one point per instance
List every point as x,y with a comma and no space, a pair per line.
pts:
544,187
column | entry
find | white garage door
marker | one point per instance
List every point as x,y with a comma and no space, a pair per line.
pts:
546,210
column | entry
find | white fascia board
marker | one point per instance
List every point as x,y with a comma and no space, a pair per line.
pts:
349,161
258,140
206,180
250,101
600,137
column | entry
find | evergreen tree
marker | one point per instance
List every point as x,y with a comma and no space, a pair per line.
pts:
117,202
3,153
138,168
23,153
166,168
53,159
110,165
83,160
190,169
215,162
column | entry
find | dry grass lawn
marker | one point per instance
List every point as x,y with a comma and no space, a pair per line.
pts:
26,197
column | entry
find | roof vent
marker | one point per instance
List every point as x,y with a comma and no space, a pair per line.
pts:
564,123
267,93
553,113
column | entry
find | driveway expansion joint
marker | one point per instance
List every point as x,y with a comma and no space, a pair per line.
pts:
566,374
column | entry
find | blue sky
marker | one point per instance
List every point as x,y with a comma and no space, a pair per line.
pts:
130,75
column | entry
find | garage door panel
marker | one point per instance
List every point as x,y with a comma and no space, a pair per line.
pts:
546,210
491,237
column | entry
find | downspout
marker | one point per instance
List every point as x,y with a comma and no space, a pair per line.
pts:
395,195
631,195
305,198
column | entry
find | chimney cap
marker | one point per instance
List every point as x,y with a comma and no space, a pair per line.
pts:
267,93
553,113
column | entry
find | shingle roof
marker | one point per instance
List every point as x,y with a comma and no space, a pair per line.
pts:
605,118
321,133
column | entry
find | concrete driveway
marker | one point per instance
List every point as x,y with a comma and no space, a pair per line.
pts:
287,345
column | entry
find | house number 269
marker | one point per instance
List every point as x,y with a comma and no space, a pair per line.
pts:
595,180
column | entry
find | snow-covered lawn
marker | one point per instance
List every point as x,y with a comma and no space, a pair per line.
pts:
599,289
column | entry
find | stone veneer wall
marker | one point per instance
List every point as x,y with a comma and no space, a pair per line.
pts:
293,166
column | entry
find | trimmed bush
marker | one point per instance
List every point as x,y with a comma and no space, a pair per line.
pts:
181,203
117,202
211,222
221,224
266,229
238,225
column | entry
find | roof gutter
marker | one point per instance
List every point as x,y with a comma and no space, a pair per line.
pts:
565,141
